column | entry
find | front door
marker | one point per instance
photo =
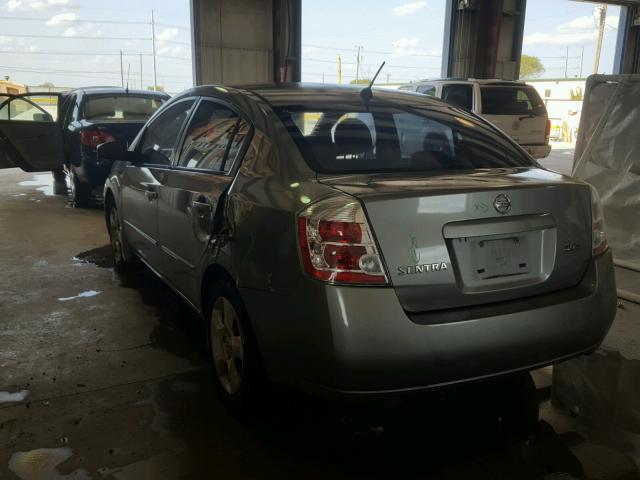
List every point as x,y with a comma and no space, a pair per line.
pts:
213,142
30,134
141,182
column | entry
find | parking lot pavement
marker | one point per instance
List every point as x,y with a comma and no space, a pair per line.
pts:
106,377
561,158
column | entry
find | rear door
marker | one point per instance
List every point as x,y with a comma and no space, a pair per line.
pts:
30,134
141,182
517,110
213,144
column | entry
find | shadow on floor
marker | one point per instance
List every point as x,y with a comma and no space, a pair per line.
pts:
474,432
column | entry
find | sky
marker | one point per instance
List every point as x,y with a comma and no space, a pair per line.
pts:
408,35
73,43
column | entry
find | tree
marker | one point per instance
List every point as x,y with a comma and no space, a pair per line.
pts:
159,88
576,94
360,81
530,67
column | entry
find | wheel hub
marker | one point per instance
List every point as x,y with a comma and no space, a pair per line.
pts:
227,345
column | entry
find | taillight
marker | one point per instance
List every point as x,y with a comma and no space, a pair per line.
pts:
598,233
547,131
336,243
93,138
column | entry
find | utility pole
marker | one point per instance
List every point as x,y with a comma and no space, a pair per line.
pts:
581,60
358,58
121,71
322,77
339,70
601,25
153,51
566,62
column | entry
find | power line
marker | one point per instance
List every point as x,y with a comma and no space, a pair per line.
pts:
75,20
400,54
372,64
22,52
91,54
75,37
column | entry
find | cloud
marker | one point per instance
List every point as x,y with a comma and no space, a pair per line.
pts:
171,50
62,18
578,31
167,34
411,46
408,8
82,30
27,5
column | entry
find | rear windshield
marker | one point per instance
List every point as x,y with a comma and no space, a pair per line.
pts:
120,107
387,139
511,100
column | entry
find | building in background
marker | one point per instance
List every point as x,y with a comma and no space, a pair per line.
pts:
11,87
563,98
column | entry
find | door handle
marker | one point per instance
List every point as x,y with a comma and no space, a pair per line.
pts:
151,195
202,207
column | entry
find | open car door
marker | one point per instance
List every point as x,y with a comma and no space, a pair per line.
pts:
30,132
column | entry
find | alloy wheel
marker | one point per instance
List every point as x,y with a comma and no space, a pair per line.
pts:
115,234
227,345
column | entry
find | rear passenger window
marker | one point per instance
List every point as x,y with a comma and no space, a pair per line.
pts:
213,139
460,95
159,140
428,90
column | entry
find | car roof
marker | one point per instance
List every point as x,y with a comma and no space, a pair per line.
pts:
289,94
480,81
117,91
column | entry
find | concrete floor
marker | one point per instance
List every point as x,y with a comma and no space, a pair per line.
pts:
106,378
561,157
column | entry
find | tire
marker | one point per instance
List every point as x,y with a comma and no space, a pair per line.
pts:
80,192
237,370
122,258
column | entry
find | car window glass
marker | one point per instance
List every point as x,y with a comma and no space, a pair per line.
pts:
459,95
67,108
384,138
429,90
41,108
124,107
208,137
236,145
511,100
159,140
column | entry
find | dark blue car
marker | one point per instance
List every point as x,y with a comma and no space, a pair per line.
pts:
61,131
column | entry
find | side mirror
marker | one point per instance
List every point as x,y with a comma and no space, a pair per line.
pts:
115,151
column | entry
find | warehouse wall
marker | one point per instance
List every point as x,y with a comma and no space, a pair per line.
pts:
232,41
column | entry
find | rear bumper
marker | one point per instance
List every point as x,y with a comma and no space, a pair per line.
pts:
359,342
538,151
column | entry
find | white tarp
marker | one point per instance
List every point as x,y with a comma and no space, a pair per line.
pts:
608,157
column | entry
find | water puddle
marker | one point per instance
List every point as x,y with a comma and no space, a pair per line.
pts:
8,397
101,257
85,294
41,464
44,182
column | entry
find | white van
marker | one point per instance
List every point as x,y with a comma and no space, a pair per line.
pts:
514,107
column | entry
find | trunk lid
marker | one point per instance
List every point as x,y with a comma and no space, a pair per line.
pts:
446,243
121,131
